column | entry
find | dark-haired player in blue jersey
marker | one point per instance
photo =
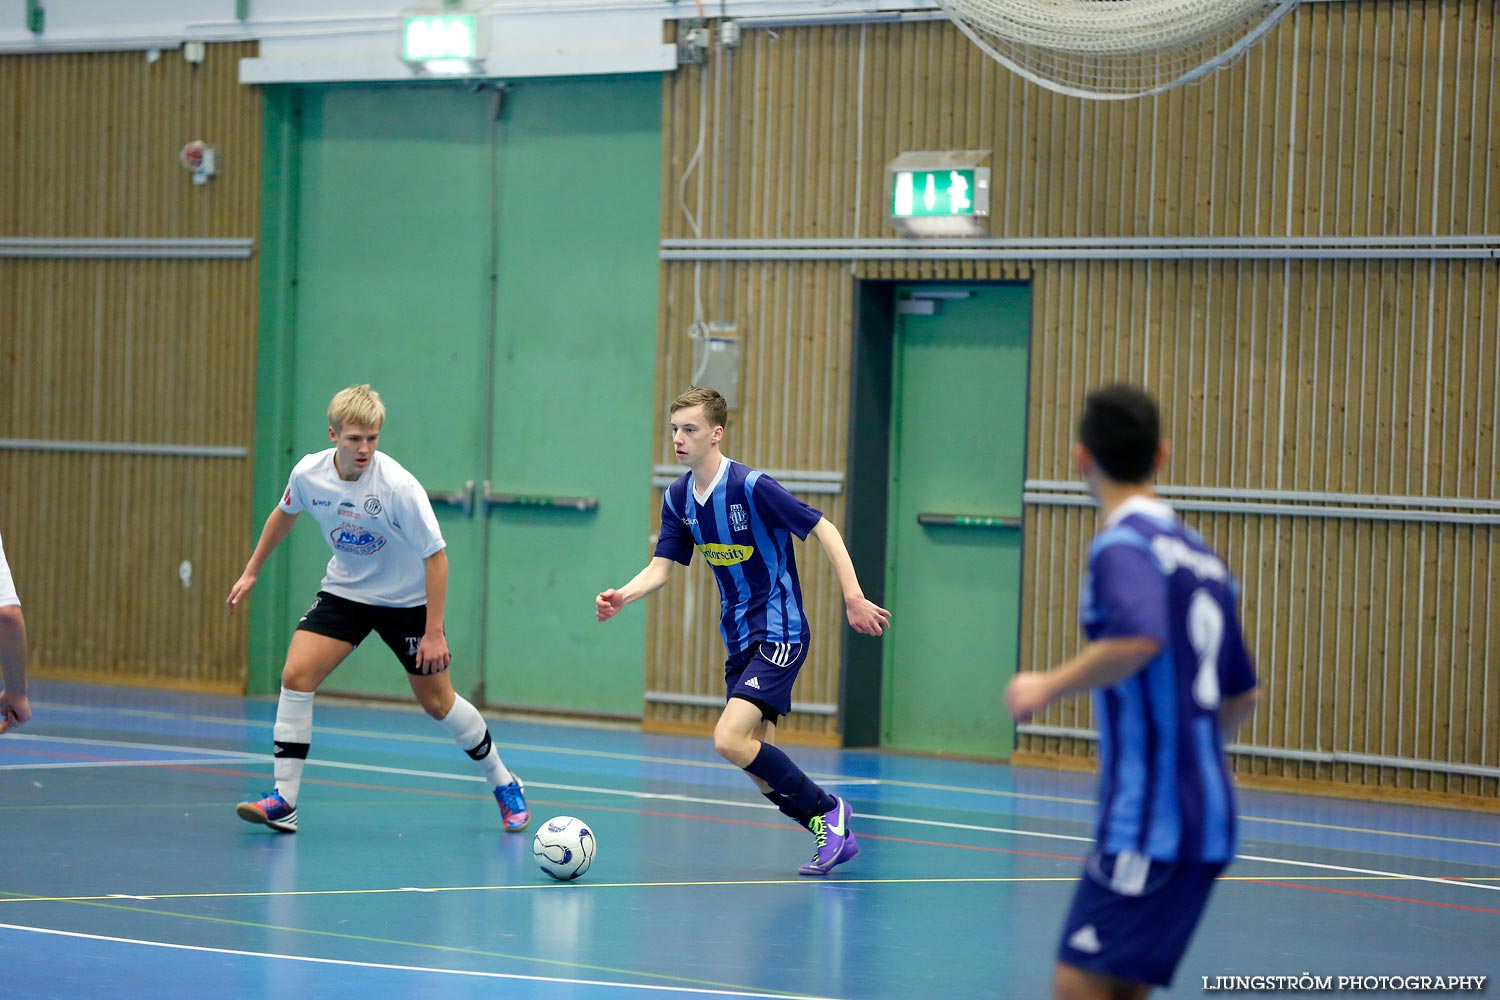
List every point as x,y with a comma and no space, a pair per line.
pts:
743,522
1172,681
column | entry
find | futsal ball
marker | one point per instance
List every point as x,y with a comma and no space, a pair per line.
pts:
564,847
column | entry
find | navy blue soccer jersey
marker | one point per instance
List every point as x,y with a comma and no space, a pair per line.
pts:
744,531
1165,789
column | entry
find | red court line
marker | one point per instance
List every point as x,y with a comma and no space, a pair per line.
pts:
788,829
1372,895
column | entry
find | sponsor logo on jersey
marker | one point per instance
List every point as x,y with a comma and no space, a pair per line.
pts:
719,554
738,519
286,497
372,506
355,540
1174,553
690,521
322,503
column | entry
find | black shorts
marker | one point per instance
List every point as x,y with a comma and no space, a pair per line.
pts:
350,621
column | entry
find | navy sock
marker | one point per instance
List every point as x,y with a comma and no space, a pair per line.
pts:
777,770
787,809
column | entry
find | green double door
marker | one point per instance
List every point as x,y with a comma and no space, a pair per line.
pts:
953,551
496,281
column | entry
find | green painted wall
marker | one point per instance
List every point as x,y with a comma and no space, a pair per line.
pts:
496,280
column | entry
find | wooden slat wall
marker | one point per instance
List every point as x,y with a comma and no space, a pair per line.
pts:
1351,119
1378,637
133,351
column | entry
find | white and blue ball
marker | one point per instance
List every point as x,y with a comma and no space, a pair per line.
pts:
564,847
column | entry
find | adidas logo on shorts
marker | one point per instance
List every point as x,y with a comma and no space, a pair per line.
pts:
1086,940
753,682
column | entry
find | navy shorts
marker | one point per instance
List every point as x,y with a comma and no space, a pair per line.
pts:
1133,917
350,621
764,674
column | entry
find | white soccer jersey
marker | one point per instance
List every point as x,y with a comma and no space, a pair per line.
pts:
7,585
380,526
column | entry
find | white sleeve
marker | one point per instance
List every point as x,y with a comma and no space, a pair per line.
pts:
8,596
415,518
292,501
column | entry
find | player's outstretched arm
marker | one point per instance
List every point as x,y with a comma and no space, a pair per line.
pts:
1101,664
278,525
647,581
864,615
15,709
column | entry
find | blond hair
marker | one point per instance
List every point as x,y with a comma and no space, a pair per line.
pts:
358,405
714,406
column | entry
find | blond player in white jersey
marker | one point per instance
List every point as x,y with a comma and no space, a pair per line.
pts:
389,575
15,709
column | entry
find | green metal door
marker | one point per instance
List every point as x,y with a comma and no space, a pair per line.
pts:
496,280
580,176
953,570
393,289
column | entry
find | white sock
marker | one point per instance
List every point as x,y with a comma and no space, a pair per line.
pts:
293,734
466,726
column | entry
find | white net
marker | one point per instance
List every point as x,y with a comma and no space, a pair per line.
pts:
1115,49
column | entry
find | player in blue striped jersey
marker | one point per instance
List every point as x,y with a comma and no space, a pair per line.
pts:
1172,680
742,521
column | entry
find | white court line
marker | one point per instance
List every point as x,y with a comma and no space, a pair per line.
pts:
409,968
123,745
910,820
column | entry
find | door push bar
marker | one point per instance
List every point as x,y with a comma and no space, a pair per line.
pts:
462,499
535,501
970,521
466,498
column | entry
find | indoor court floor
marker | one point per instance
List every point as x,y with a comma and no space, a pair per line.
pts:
127,874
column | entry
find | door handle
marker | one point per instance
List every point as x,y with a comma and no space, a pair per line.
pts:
536,501
462,499
970,521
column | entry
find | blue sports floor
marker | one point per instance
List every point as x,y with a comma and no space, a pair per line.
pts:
125,873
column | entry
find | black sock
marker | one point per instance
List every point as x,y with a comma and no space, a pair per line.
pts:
777,770
781,802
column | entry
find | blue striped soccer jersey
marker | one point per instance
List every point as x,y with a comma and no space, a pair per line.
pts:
744,529
1165,790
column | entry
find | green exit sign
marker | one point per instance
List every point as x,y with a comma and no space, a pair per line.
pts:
439,37
919,194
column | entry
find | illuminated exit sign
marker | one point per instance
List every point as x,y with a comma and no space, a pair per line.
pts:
918,193
439,38
940,192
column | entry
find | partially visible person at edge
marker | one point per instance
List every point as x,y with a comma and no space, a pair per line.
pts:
15,708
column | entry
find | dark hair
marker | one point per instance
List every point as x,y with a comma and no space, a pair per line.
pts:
1121,429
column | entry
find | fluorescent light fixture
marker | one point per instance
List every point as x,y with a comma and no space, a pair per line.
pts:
443,44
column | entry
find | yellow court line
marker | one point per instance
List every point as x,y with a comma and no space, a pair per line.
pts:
578,886
449,949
